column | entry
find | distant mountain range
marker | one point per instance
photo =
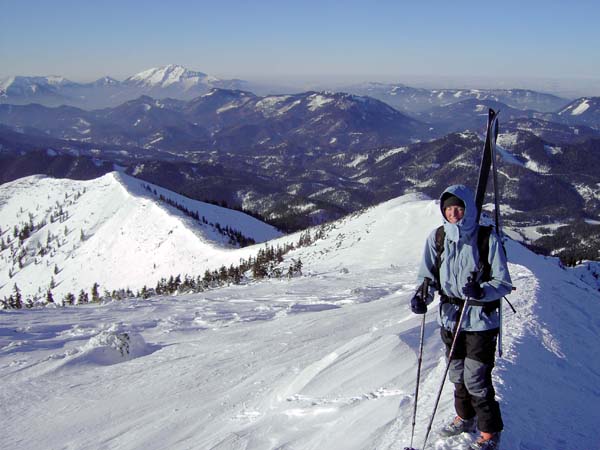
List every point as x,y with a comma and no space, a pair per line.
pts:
168,81
239,121
178,82
543,181
470,114
227,120
300,159
417,100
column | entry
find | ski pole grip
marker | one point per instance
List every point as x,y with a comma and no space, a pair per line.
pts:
425,288
473,276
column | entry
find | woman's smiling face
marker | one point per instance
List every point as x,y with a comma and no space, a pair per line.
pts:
454,214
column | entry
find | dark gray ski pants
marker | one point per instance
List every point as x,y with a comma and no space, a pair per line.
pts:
471,372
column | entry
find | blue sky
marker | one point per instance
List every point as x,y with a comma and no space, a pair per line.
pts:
376,40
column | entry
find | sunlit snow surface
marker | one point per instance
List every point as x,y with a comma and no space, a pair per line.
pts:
130,237
581,108
324,361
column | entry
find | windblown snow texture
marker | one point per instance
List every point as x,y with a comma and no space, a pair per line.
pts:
323,361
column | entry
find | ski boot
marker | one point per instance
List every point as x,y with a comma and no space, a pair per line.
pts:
492,443
458,426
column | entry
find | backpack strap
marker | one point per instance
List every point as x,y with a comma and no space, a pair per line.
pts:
440,235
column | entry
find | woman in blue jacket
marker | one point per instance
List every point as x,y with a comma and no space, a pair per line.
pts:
458,275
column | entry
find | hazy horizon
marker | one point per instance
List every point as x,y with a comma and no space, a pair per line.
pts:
542,45
565,87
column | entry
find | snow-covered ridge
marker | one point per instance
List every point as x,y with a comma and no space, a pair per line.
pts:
115,231
324,361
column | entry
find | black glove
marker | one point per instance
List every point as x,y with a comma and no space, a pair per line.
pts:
473,290
418,304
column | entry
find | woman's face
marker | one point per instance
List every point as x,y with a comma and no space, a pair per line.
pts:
453,214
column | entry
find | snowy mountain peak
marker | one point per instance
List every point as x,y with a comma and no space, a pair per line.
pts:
172,81
106,81
57,80
21,82
166,76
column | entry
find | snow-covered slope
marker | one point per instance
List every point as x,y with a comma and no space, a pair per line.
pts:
114,231
585,110
323,361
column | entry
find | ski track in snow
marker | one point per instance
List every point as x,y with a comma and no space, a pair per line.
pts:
324,361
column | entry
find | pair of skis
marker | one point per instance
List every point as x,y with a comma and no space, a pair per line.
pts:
488,161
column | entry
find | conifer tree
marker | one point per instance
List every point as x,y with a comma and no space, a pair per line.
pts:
159,287
69,299
17,299
206,281
49,297
298,266
83,297
95,293
223,274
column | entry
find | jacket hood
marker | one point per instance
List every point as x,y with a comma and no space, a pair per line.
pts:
467,225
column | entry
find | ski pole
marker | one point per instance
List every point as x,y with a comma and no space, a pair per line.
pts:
450,353
424,294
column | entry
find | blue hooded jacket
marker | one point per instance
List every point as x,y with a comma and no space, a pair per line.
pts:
459,259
